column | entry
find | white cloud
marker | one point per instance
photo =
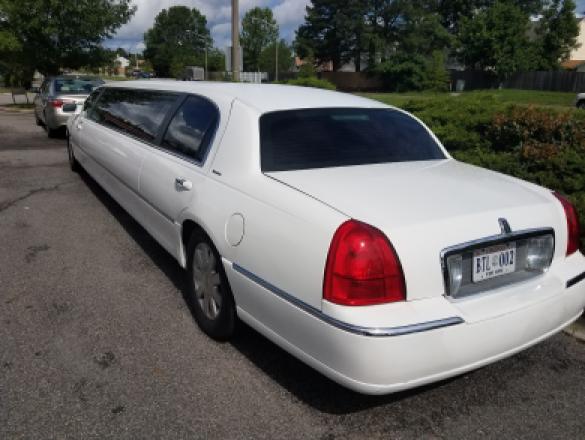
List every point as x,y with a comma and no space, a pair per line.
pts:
288,13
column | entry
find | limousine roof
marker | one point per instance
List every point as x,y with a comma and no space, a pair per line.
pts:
263,97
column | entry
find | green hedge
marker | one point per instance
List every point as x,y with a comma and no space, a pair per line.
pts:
312,82
544,145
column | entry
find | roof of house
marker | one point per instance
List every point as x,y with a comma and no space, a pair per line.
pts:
572,64
262,97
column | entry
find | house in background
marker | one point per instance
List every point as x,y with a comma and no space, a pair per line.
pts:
574,65
121,64
576,60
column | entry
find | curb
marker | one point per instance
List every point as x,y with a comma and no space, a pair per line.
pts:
15,110
577,329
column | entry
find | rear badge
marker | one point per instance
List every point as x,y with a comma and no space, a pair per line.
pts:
504,226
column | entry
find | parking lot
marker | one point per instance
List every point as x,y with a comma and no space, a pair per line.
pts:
97,342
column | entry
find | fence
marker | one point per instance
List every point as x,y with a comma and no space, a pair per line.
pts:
554,81
354,81
557,81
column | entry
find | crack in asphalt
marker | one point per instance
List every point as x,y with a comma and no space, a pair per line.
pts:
10,203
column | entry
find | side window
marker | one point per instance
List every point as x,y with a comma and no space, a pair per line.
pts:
191,129
139,113
90,101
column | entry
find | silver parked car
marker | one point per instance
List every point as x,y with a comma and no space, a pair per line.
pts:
60,97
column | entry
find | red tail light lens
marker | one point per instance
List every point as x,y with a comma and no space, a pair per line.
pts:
57,103
362,267
573,233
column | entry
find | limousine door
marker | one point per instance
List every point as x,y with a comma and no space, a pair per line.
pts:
171,177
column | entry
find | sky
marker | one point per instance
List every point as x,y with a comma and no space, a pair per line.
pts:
288,13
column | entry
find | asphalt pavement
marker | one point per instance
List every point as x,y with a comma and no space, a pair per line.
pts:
96,341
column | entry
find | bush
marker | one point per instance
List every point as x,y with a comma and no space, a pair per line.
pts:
460,122
411,72
307,70
312,82
539,145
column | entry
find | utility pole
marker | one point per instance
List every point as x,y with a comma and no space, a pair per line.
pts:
205,77
235,41
276,63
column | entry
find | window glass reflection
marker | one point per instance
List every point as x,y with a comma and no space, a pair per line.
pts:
191,128
139,113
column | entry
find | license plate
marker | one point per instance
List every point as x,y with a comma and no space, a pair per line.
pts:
493,261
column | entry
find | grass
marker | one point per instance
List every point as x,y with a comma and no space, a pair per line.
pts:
522,97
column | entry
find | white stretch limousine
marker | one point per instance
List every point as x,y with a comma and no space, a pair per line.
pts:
336,226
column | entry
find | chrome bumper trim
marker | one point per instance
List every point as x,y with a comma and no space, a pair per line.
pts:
351,328
576,280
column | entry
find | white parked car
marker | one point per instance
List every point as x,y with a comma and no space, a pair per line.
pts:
336,226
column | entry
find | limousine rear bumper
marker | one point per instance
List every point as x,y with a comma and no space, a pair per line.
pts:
381,365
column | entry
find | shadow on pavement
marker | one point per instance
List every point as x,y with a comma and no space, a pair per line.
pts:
302,381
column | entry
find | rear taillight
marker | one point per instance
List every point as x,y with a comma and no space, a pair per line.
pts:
572,224
57,103
362,267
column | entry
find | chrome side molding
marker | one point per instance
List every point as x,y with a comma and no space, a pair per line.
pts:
351,328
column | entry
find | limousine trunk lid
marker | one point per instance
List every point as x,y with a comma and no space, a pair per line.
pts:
424,207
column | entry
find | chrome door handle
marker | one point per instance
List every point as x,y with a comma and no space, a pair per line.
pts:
183,184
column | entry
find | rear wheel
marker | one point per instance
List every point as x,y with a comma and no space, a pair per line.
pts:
209,293
54,132
581,105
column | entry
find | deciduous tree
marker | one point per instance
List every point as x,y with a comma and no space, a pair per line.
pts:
496,39
178,38
556,34
267,61
51,34
259,30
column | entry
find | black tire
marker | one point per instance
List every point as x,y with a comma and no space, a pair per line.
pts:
73,164
53,133
211,300
581,105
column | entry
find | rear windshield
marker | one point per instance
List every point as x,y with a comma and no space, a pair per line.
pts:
83,86
335,137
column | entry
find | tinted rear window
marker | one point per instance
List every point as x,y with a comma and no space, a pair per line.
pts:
322,138
83,86
139,113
